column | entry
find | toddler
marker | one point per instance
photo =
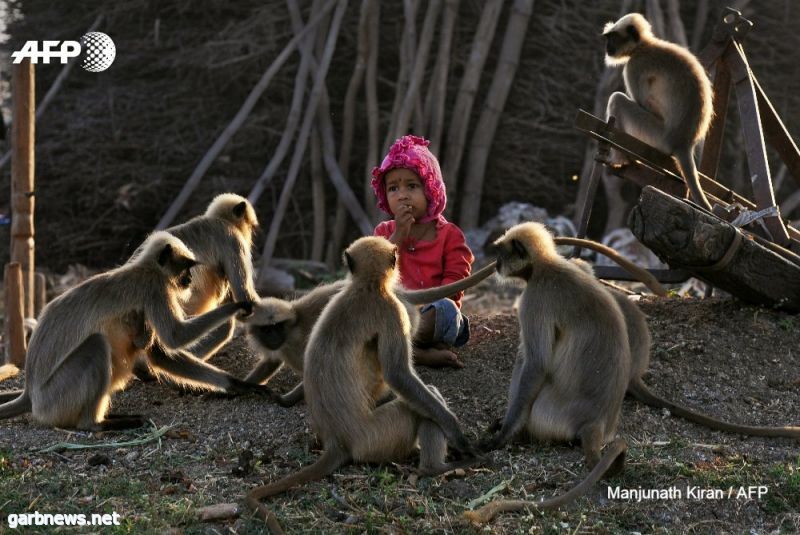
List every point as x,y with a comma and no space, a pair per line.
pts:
432,251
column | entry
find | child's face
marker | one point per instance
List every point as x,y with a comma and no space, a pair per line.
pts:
404,189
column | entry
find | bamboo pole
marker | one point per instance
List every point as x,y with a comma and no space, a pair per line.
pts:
292,119
238,120
348,126
411,97
457,133
39,293
14,329
437,90
305,130
22,177
490,117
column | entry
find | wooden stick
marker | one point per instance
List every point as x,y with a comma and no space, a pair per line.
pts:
457,132
14,329
237,121
407,48
39,293
490,117
22,176
292,120
437,90
305,129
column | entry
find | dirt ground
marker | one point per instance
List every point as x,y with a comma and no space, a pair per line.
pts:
736,362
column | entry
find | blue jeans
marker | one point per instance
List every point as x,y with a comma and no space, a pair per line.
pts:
452,327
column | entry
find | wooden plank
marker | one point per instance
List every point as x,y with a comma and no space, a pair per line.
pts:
754,140
14,314
22,176
777,135
666,178
712,147
690,239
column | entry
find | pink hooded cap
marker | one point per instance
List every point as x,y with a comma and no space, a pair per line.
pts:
411,152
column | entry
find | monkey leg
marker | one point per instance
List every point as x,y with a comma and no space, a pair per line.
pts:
207,347
76,395
591,437
635,120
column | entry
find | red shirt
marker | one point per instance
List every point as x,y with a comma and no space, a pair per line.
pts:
432,263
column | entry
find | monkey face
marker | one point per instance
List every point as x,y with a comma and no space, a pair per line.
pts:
512,258
623,36
271,336
185,279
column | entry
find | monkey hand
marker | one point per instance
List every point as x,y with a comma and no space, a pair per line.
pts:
491,443
245,309
237,386
462,444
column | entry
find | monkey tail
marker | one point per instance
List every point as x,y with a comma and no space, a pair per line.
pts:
691,177
422,297
19,405
641,392
613,459
331,459
644,276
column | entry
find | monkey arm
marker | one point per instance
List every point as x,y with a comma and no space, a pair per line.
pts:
263,371
293,396
394,354
238,268
526,383
212,342
163,313
187,369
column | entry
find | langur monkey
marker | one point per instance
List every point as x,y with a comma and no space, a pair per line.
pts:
639,340
360,345
279,329
669,97
221,240
88,338
574,362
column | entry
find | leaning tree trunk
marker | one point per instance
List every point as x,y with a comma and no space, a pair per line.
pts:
407,53
293,117
495,102
348,125
238,120
437,91
305,130
457,132
411,98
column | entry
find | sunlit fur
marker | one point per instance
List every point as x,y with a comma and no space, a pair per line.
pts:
222,240
572,337
84,345
286,325
668,102
359,348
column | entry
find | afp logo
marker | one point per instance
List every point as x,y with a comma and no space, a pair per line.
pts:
96,49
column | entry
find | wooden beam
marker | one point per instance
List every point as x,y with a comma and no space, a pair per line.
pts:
14,327
22,176
715,251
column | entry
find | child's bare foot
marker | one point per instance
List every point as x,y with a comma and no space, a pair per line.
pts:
436,358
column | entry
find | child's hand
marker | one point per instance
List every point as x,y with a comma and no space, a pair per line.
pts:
404,219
